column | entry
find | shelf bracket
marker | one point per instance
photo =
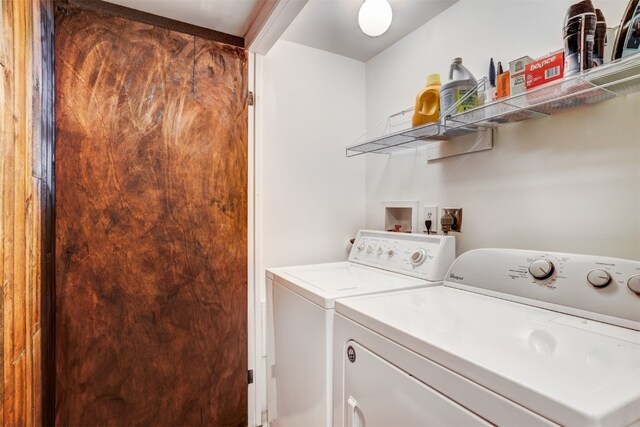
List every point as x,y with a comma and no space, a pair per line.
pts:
479,141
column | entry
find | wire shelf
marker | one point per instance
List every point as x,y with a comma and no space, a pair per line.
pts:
394,142
619,78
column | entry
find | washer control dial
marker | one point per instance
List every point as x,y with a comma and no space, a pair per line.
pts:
390,252
380,250
634,284
418,256
541,268
598,278
369,249
360,247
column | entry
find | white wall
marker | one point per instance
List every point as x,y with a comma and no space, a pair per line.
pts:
565,183
310,197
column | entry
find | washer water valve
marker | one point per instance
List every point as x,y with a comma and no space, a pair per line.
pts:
446,222
451,220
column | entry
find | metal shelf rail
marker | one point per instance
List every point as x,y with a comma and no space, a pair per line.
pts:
619,78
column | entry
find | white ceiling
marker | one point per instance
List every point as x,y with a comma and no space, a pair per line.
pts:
228,16
332,25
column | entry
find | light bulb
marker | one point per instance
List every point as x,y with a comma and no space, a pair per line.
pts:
375,17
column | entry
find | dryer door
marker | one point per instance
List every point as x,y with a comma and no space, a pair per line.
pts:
377,393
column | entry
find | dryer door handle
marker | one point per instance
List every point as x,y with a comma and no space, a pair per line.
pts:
351,413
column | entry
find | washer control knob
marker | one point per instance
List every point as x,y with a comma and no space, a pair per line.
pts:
369,249
634,284
418,256
380,250
390,252
360,247
541,268
598,278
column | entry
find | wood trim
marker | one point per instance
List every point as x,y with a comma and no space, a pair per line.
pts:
27,122
149,18
47,213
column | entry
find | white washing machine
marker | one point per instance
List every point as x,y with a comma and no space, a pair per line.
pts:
300,311
513,338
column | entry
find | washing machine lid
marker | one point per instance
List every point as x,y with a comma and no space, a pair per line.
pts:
568,369
324,283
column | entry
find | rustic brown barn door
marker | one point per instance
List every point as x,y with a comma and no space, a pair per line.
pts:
151,236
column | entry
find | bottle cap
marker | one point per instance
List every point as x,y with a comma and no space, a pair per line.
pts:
457,60
580,8
433,79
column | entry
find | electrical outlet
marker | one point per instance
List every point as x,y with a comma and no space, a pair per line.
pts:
456,213
430,213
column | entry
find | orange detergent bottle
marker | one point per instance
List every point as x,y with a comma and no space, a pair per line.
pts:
428,102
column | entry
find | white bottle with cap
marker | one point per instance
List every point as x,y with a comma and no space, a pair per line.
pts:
460,83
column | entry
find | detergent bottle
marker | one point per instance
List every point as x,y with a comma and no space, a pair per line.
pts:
460,83
428,102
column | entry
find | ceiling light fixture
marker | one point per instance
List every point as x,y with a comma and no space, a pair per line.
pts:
375,17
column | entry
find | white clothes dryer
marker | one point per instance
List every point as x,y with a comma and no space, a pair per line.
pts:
300,311
513,338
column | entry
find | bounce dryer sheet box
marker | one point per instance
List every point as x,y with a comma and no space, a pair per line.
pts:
516,73
544,70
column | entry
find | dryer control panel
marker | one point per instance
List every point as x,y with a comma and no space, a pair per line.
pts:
593,287
424,256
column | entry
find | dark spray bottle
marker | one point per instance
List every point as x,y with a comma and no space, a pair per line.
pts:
579,37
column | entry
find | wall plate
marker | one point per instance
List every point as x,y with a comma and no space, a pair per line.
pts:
429,213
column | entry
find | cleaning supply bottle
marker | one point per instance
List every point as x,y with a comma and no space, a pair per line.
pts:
579,35
428,102
600,39
460,83
490,87
628,35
